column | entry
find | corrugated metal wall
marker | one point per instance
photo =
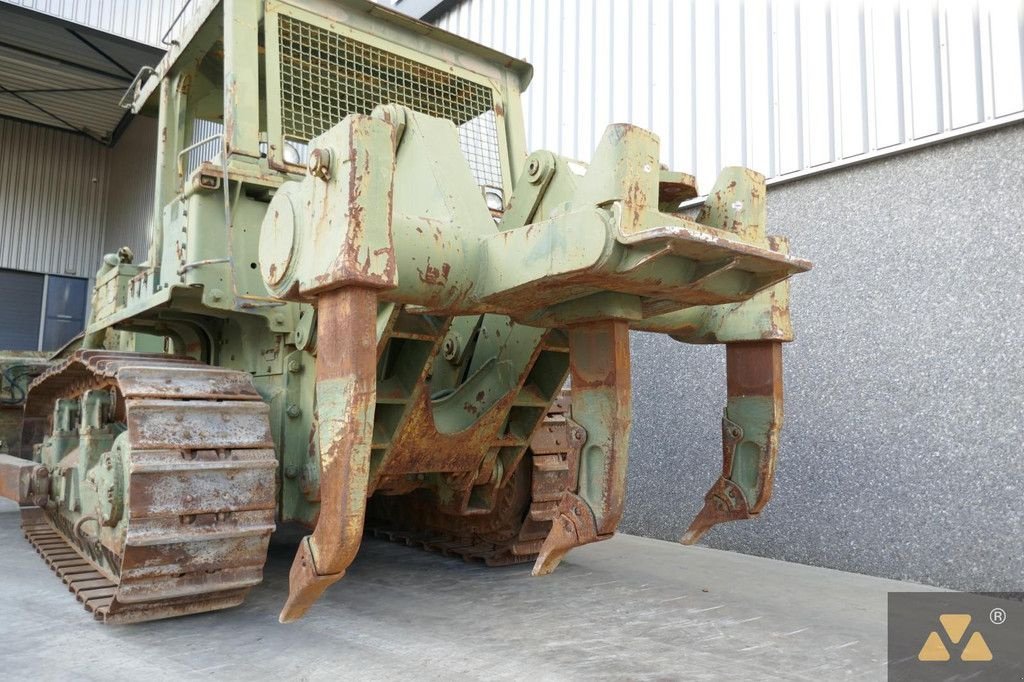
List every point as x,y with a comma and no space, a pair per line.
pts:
783,86
52,200
130,189
64,199
144,21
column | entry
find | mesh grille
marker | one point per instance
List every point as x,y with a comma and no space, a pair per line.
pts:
325,76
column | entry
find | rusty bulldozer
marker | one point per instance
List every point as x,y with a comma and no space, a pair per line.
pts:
365,304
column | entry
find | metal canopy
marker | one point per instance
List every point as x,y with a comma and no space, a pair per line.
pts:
62,75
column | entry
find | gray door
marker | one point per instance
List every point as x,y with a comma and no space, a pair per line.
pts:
65,310
21,301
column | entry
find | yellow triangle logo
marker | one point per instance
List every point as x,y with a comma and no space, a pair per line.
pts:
955,625
933,649
976,649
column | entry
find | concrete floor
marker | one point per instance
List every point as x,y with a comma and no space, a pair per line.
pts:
629,608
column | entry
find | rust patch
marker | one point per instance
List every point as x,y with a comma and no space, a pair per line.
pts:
754,369
434,276
515,529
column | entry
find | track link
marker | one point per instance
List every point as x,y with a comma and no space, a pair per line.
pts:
200,497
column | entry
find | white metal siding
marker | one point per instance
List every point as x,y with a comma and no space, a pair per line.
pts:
782,86
52,200
143,21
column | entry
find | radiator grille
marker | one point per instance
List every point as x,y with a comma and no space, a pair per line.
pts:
325,76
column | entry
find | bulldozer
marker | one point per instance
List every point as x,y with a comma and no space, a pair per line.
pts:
372,309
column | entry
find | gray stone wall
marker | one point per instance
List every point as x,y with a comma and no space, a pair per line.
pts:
903,448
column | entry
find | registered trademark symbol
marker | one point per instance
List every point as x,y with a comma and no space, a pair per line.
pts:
997,616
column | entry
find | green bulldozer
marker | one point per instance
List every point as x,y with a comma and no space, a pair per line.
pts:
362,312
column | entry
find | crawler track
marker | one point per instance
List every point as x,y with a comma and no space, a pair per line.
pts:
200,492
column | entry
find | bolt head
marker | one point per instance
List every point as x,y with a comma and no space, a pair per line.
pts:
294,410
319,165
